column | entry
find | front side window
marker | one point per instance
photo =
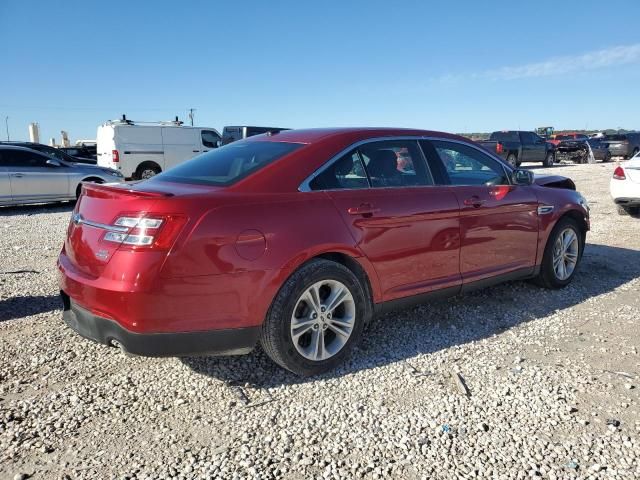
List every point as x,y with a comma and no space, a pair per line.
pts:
228,164
210,138
396,163
465,165
22,158
345,173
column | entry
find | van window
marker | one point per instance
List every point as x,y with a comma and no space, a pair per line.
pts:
231,134
226,165
210,138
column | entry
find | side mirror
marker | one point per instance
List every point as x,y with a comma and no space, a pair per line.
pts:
522,177
53,163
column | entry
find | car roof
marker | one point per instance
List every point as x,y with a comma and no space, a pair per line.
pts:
5,146
350,134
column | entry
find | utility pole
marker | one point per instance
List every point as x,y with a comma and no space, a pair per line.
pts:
6,122
191,110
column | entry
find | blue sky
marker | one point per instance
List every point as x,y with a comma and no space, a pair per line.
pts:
457,66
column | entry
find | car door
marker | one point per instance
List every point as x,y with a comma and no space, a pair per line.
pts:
498,220
532,150
32,178
5,184
406,226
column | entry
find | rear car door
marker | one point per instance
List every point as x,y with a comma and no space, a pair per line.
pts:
406,226
532,150
32,179
5,184
498,220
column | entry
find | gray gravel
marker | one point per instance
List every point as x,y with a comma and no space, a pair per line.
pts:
509,382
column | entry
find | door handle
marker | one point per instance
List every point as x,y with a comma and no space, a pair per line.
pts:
196,151
17,175
365,209
474,201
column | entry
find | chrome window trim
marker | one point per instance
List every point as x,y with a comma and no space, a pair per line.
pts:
305,185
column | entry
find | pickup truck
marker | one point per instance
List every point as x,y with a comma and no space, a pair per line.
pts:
517,147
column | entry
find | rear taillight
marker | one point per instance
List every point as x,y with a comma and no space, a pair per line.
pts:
158,232
618,174
115,156
499,148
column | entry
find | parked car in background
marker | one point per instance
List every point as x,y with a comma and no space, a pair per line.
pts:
577,150
517,147
561,137
295,240
625,186
30,176
235,133
140,150
53,152
84,152
624,145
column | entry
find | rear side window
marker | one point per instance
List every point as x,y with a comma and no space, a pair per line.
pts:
396,163
616,137
346,172
228,164
231,134
465,165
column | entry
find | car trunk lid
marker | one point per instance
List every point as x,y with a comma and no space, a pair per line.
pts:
632,169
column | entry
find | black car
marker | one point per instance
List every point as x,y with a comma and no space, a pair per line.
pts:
58,153
84,151
577,149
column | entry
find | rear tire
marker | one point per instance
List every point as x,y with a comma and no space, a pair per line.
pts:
147,170
607,157
549,160
562,255
635,152
513,160
324,334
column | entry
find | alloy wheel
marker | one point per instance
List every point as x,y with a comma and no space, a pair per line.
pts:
565,254
323,320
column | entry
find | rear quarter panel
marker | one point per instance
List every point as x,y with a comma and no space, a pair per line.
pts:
273,234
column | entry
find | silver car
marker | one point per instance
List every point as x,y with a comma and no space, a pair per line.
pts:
28,176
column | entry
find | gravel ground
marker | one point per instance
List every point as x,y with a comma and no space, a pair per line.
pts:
552,378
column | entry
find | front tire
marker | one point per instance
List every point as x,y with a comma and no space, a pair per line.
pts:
562,255
549,160
316,318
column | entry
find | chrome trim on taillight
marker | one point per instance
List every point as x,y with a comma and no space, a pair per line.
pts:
78,220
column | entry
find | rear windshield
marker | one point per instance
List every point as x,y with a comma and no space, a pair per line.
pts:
228,164
616,137
505,136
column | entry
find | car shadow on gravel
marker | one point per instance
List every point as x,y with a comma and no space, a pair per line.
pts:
37,209
398,337
19,307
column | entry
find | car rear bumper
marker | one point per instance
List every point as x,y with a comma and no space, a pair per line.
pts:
231,341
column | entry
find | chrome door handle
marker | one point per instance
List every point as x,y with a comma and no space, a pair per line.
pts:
365,209
474,202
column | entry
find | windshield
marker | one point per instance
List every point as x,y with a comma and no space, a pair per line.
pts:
228,164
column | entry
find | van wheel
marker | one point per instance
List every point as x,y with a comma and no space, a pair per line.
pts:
562,255
147,170
316,318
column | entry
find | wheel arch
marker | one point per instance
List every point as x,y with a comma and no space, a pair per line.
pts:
87,179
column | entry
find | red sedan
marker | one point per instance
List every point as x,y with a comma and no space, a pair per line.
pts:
296,239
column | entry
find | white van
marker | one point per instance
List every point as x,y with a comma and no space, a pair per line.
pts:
141,150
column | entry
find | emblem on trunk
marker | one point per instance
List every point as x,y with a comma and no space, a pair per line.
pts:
102,254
